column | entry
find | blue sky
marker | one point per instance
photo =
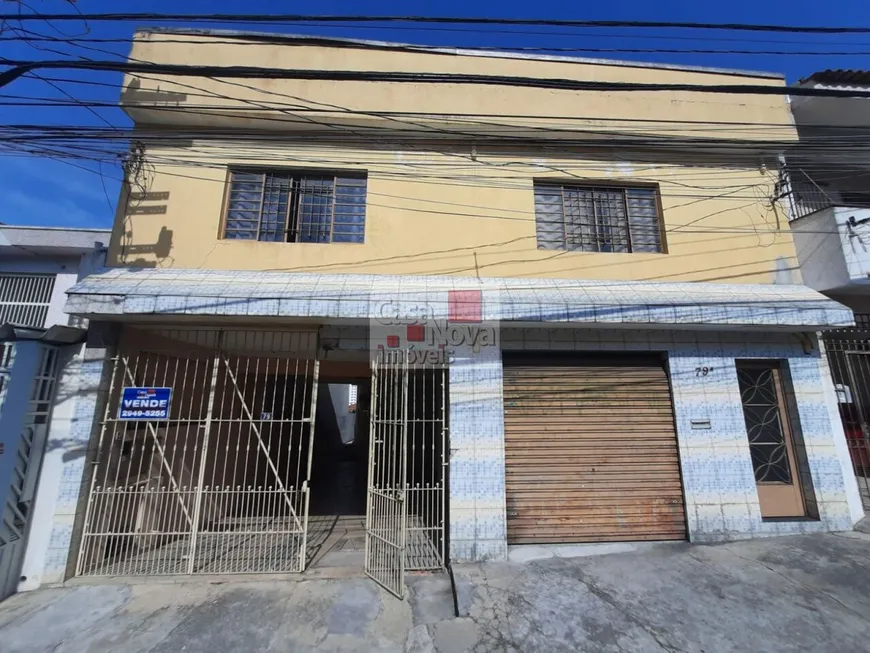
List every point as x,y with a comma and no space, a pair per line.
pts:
42,191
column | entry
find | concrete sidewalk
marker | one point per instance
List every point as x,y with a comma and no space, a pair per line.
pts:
807,593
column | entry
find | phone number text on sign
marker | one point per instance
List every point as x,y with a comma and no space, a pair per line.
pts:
145,403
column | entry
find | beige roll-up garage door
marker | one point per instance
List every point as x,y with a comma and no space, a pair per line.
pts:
591,450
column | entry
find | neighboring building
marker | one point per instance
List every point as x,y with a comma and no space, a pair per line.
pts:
829,174
279,236
37,266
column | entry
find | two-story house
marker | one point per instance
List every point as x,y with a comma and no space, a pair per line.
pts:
37,340
565,314
829,184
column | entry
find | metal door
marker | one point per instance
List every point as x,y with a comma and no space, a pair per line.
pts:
221,486
591,450
388,444
15,515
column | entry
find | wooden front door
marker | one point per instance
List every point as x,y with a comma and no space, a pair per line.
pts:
771,443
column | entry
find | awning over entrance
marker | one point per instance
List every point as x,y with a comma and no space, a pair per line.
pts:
128,292
55,335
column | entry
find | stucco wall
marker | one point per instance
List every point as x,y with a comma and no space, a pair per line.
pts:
334,98
451,203
425,216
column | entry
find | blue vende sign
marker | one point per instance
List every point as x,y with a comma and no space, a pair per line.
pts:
145,403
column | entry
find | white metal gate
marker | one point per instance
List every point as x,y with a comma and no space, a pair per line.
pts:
388,449
15,514
425,495
219,487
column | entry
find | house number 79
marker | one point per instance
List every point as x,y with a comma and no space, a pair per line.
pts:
703,371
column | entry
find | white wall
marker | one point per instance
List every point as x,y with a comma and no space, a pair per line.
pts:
819,250
45,503
856,241
340,395
67,271
831,253
62,282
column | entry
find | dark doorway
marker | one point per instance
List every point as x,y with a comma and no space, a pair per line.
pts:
340,462
339,472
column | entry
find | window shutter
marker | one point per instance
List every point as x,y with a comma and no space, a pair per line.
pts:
643,218
349,220
243,205
549,221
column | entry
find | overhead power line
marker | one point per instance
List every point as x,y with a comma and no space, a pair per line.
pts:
451,20
266,40
34,37
722,150
20,68
484,214
675,124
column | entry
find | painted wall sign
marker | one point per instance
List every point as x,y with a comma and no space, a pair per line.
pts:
145,403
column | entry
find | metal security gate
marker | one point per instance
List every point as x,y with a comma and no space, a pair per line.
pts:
425,495
221,486
388,455
848,352
406,505
15,514
591,450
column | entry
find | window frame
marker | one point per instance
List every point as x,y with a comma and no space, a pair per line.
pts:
604,184
289,172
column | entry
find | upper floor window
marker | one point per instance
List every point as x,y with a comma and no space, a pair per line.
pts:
293,207
598,219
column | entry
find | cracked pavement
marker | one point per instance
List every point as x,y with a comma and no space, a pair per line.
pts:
804,593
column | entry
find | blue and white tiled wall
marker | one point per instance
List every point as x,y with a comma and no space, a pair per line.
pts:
721,497
478,530
63,468
720,490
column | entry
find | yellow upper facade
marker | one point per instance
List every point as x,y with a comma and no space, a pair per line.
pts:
449,171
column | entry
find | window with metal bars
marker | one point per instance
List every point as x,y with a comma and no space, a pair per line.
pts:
25,298
598,219
293,207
